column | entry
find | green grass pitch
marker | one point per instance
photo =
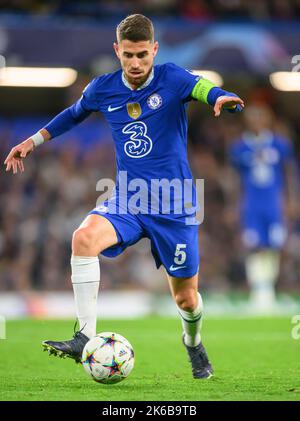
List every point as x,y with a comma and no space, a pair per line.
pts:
254,359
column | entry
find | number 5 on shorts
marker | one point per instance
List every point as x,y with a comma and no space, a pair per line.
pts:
180,254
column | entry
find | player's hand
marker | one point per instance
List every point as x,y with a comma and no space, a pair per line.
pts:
229,102
16,156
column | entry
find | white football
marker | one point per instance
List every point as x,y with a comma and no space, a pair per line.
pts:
108,358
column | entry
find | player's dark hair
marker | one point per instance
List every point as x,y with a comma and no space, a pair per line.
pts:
135,28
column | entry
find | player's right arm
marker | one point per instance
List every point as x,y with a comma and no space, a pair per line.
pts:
60,124
14,160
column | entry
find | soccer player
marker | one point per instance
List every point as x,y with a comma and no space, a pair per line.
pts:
263,161
145,106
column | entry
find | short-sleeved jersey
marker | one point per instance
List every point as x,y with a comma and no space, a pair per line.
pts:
260,163
149,125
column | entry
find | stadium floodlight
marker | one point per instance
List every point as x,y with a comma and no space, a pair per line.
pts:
36,77
285,81
213,76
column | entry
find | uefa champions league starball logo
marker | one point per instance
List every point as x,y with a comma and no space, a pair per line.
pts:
154,101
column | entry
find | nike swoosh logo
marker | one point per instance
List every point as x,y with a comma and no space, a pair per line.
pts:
110,108
176,267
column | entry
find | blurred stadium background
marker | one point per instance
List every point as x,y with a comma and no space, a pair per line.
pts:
242,41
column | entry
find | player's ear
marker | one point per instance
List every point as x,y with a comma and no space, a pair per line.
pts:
116,48
155,48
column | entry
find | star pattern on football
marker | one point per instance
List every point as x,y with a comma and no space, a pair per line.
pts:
90,359
109,340
114,367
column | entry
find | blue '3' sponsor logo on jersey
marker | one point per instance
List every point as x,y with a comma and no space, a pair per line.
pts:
139,144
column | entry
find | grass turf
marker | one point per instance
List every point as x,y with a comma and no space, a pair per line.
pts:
254,359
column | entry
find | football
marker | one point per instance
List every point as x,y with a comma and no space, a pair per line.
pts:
108,358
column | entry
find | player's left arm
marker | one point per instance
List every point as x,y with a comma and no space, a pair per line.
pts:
205,91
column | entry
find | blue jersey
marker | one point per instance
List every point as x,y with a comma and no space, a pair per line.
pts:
149,128
149,125
260,163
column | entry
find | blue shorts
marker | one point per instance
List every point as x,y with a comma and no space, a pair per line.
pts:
263,228
174,244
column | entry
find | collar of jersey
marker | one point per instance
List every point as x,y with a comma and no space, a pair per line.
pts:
144,85
264,138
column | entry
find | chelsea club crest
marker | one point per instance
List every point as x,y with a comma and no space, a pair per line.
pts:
154,101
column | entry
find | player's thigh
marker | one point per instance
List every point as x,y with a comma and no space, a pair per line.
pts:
276,228
174,245
253,228
184,290
98,231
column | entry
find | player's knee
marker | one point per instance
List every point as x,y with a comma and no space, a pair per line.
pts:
187,301
82,241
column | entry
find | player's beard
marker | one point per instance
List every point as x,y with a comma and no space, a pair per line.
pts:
138,81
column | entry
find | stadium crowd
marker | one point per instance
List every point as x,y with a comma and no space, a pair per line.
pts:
190,9
41,208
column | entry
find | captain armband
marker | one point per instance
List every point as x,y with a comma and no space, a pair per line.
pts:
201,90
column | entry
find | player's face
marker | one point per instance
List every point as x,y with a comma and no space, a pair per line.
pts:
258,118
136,59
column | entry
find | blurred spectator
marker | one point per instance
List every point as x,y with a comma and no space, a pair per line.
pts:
195,9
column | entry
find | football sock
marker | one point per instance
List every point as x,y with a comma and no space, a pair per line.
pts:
191,323
85,281
262,269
